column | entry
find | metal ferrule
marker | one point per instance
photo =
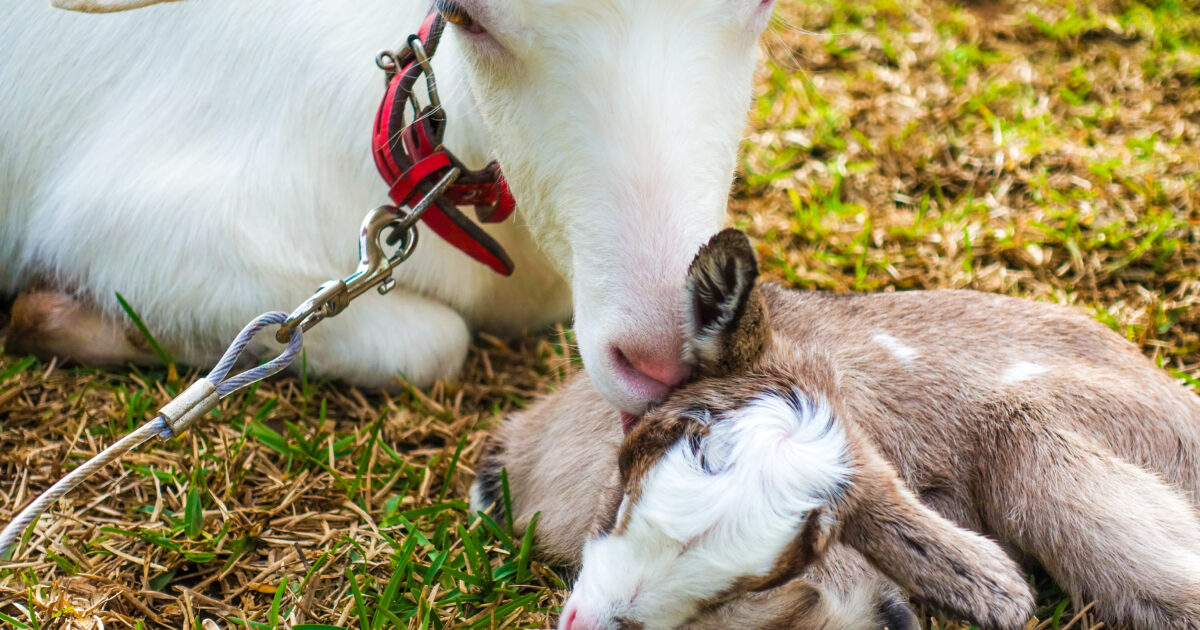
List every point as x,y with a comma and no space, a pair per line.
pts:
189,406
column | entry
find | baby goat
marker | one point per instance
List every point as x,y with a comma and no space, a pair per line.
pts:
936,438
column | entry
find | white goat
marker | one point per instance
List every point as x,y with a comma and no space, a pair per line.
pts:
210,160
924,434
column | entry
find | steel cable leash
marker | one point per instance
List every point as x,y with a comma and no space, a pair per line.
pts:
172,420
374,270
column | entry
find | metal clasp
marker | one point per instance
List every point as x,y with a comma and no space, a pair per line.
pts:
418,51
392,62
374,264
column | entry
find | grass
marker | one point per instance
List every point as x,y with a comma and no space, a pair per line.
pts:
274,514
1039,148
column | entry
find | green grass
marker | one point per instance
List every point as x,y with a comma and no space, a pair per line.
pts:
1039,148
380,483
1043,149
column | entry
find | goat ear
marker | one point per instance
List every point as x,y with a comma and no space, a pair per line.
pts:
958,571
104,6
725,327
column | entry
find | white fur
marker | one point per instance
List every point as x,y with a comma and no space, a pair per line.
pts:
619,120
894,345
209,160
847,611
706,518
1021,371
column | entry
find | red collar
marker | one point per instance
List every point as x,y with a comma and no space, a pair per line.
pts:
411,157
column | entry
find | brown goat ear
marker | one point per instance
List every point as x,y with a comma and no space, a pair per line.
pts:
725,327
956,570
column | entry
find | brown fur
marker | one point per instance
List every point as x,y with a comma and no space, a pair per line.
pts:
1091,468
726,267
48,322
801,553
560,457
565,453
829,597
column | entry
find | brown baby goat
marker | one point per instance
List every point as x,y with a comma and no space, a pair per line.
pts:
936,438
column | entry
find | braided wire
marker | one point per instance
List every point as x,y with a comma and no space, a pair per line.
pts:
218,375
158,426
75,477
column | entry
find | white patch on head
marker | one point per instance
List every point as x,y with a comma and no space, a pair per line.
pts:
898,349
1021,371
714,510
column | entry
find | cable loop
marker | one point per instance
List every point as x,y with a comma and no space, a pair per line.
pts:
374,271
172,420
219,376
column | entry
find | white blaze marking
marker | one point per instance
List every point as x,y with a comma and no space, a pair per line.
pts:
707,517
1022,371
901,351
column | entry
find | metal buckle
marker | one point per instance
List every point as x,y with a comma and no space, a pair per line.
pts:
374,264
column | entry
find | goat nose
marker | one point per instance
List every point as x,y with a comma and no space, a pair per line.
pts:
572,620
668,371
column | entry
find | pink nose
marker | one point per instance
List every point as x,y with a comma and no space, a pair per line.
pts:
664,372
670,372
572,620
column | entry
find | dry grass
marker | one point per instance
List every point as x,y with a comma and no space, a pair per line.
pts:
316,484
1036,148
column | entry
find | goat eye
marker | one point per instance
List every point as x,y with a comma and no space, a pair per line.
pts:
455,14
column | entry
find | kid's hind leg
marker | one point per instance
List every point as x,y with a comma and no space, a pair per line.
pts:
1104,529
51,323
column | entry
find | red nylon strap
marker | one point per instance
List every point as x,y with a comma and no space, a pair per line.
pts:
410,158
427,25
506,203
406,184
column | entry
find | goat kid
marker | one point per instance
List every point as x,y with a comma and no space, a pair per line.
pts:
937,438
211,159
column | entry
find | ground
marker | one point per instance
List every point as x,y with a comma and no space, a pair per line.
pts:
1036,148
